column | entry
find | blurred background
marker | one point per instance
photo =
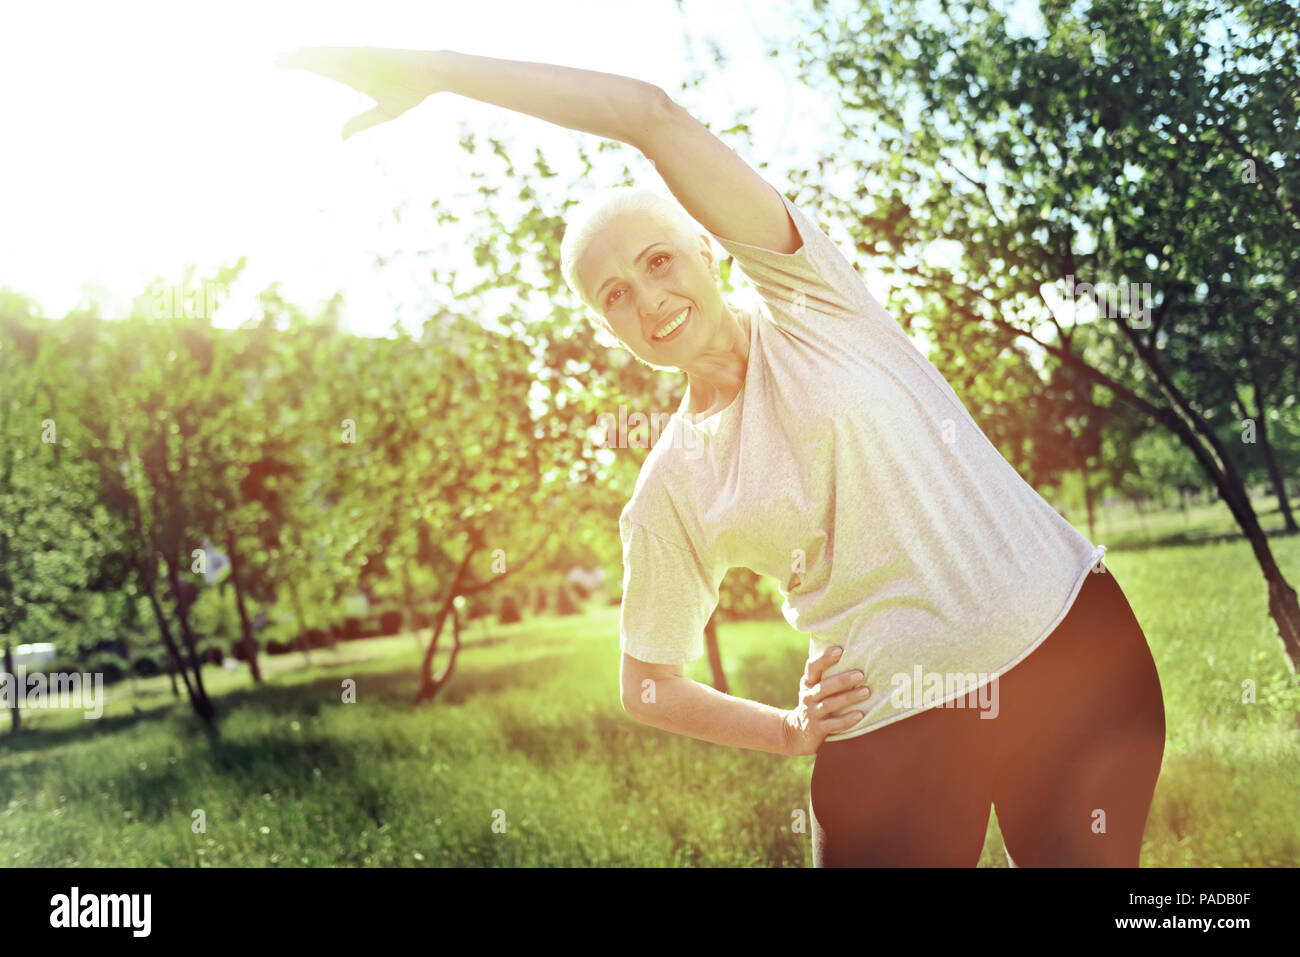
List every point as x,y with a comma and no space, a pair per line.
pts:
299,441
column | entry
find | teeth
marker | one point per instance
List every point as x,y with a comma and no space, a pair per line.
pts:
667,330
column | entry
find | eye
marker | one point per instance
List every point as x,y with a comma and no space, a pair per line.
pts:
609,300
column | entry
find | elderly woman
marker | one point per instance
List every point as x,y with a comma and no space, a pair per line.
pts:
968,648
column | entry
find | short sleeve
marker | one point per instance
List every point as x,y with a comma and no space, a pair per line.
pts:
813,292
669,594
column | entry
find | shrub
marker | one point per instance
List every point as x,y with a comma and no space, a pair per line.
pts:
112,665
146,666
390,623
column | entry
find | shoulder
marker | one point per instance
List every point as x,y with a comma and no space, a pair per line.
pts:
652,500
665,500
818,266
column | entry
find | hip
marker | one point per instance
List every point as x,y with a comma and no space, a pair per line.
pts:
1094,667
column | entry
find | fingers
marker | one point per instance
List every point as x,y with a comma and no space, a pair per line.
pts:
813,670
836,684
830,704
365,120
822,699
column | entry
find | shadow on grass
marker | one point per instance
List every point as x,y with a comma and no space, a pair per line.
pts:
29,739
1141,543
268,756
393,687
249,767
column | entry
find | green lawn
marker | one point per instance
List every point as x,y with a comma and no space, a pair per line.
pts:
531,732
1123,526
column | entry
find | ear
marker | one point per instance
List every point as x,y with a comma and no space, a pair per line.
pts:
706,251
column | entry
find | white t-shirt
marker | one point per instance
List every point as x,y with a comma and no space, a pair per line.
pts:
847,469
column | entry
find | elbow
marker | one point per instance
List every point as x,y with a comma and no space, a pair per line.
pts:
658,102
643,704
657,107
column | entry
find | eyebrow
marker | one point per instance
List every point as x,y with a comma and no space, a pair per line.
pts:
641,255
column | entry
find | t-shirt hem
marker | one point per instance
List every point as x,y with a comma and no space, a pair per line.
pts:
657,656
1097,554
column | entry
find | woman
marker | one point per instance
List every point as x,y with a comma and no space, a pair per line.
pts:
968,649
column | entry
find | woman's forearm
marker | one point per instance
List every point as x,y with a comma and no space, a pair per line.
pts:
609,105
688,707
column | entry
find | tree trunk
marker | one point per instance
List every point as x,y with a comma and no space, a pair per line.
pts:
244,625
429,685
1190,426
1270,461
445,674
1275,475
1283,605
191,644
198,699
14,709
715,656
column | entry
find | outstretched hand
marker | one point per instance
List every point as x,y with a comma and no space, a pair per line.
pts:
396,80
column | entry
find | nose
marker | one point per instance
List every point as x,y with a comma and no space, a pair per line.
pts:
651,306
651,303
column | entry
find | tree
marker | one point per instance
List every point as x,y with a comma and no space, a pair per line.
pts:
50,533
1135,146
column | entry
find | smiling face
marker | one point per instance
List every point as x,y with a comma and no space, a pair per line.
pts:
642,281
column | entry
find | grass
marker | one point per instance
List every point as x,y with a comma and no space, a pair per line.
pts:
1124,526
530,734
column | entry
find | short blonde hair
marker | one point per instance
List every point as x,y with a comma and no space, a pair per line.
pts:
588,218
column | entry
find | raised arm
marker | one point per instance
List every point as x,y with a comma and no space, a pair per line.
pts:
713,184
718,188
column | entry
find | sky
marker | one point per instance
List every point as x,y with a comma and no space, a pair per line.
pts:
142,138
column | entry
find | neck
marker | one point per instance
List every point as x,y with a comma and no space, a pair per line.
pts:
719,373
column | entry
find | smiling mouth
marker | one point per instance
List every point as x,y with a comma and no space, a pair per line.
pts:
673,326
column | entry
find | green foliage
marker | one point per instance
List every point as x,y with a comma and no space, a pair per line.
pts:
1117,143
534,726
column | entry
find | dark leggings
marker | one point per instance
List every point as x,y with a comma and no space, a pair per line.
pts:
1070,762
